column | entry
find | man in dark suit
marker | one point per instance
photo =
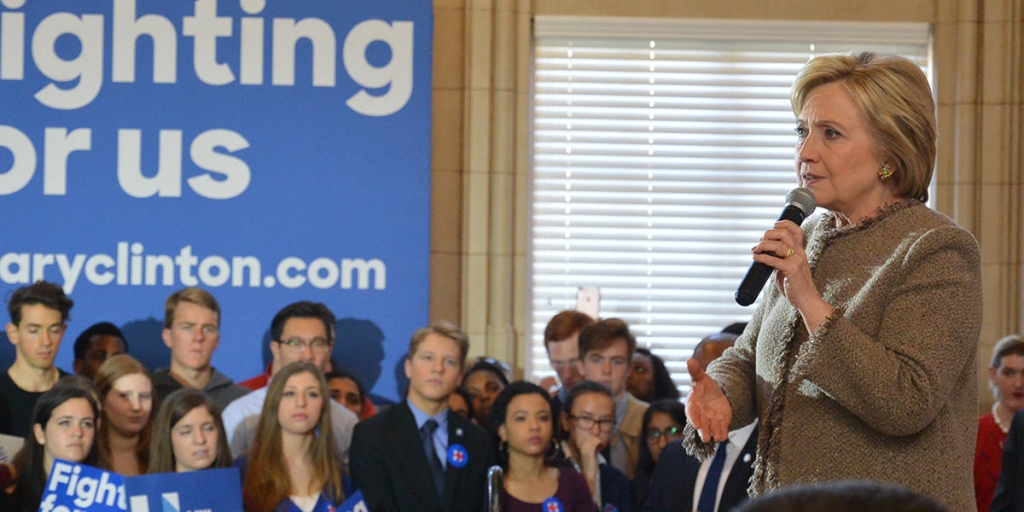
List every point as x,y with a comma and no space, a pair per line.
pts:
680,481
418,455
1010,489
674,482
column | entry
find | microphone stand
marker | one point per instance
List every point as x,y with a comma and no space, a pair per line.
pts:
495,476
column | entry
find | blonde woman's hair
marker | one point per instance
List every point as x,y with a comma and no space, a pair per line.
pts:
894,96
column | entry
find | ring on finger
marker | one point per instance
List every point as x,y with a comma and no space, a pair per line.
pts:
789,252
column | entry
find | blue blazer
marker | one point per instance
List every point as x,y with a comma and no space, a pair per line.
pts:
672,483
614,490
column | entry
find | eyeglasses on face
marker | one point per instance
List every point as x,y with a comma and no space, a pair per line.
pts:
319,345
587,423
653,435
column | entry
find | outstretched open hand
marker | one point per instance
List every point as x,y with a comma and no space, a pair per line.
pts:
707,407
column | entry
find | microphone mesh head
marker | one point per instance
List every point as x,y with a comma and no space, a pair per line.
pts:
803,199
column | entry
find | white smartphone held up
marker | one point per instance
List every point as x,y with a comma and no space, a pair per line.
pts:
588,300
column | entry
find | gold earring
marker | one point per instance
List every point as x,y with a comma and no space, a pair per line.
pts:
885,172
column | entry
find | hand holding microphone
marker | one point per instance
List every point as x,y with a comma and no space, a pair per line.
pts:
799,204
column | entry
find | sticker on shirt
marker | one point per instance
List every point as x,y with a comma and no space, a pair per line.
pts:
553,504
458,456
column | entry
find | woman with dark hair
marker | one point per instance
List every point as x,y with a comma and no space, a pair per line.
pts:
126,391
292,463
483,381
521,418
461,403
1006,380
587,420
188,434
63,427
649,379
663,423
345,388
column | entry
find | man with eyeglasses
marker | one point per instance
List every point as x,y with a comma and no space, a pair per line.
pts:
561,340
302,331
682,482
192,332
606,355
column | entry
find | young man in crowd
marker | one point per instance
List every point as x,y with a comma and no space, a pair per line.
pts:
682,482
606,356
192,332
302,331
95,345
561,340
39,314
418,455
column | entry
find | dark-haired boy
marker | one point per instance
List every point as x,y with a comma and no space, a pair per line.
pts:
606,356
39,314
301,331
95,345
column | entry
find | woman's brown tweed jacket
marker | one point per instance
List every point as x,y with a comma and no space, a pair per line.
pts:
886,389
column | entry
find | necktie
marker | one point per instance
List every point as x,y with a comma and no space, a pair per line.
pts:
710,490
436,469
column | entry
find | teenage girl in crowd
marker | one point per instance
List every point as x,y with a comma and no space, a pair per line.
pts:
483,381
63,427
292,464
649,378
188,434
521,417
588,420
663,423
127,394
345,388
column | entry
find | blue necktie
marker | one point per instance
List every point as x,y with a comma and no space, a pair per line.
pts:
436,469
710,490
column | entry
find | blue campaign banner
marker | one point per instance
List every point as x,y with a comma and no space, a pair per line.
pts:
354,503
74,487
208,490
268,151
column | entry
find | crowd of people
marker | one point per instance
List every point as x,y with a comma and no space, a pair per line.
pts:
853,386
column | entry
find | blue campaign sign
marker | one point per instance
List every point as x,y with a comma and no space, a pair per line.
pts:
208,490
75,487
354,503
268,151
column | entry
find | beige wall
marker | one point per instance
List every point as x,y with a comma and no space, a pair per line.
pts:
479,226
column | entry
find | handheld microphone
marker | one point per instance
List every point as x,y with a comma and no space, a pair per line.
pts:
799,204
